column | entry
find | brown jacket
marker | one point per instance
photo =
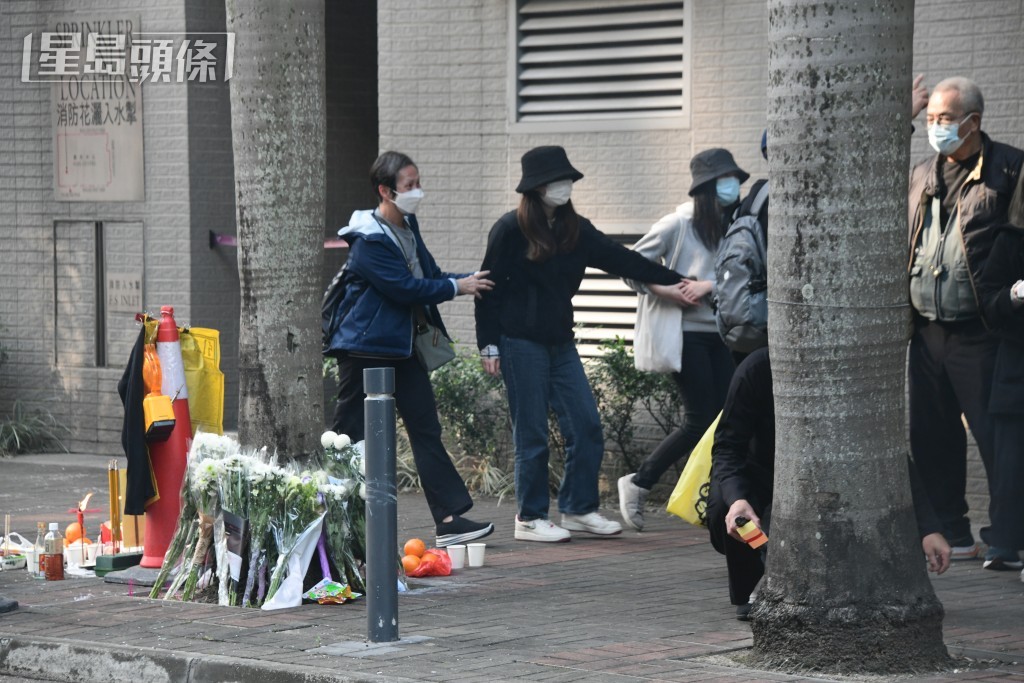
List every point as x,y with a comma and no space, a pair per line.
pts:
984,201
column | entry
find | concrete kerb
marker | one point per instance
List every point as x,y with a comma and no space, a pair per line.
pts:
57,660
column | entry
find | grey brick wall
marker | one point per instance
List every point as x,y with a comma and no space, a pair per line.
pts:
437,89
444,69
80,396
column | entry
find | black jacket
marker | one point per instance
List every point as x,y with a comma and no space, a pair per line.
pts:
743,456
1005,267
984,201
533,300
140,490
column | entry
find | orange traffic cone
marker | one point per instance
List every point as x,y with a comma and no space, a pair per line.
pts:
168,458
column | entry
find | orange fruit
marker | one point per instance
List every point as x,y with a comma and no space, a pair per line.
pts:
73,532
410,562
415,546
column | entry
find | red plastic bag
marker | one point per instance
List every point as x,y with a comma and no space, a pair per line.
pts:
435,562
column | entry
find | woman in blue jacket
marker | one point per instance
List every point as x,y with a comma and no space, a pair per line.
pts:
391,283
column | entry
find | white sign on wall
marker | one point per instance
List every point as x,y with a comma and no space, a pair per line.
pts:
96,109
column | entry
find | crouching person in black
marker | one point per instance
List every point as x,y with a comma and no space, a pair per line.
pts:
742,472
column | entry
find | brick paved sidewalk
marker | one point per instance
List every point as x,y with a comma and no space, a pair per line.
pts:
638,607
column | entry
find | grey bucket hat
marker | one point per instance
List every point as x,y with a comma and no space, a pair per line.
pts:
713,163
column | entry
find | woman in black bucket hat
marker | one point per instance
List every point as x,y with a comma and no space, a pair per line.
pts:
678,334
536,256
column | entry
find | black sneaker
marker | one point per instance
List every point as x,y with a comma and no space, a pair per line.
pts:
743,612
461,530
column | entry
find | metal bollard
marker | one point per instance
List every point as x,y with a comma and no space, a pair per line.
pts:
381,506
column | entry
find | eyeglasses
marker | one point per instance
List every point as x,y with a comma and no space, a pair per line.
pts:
947,119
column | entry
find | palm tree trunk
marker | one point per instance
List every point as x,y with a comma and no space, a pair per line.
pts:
277,129
846,587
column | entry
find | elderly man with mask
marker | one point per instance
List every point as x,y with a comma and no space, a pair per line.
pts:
957,196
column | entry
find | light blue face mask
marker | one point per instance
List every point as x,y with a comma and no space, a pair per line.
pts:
945,138
728,190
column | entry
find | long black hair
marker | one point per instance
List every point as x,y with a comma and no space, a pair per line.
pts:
544,242
710,218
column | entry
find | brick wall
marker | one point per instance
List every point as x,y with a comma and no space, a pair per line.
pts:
438,91
68,383
444,69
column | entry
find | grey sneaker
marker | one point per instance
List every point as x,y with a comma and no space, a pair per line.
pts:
542,530
631,502
592,523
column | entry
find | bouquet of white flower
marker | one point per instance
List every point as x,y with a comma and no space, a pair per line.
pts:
300,507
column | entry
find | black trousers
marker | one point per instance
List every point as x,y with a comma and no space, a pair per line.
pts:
1007,508
444,489
703,382
950,372
744,564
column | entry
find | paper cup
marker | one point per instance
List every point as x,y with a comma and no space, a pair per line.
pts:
457,553
476,554
83,557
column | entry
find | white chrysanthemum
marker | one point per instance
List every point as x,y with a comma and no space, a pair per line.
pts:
341,442
345,485
334,491
205,473
361,462
327,439
362,491
260,472
208,445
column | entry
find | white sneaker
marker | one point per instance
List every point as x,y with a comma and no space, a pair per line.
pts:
543,530
593,523
631,502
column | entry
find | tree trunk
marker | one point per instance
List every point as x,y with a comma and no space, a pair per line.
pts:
846,587
277,131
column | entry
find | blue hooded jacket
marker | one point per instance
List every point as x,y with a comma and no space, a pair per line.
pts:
376,314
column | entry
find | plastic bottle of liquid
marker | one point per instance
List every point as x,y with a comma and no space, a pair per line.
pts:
38,568
54,553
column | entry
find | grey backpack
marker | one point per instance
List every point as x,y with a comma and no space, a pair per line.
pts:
741,279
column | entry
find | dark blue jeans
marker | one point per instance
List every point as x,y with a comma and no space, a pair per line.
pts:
538,376
703,382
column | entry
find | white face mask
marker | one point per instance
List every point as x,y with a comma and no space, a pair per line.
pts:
408,202
557,193
945,139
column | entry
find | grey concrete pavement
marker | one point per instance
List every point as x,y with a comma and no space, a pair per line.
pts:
637,607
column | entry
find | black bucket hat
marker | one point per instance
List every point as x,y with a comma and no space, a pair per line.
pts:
543,165
713,163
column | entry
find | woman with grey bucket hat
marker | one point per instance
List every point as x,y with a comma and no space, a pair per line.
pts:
537,256
675,329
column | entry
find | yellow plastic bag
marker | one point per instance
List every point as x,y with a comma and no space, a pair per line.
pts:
689,499
200,354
